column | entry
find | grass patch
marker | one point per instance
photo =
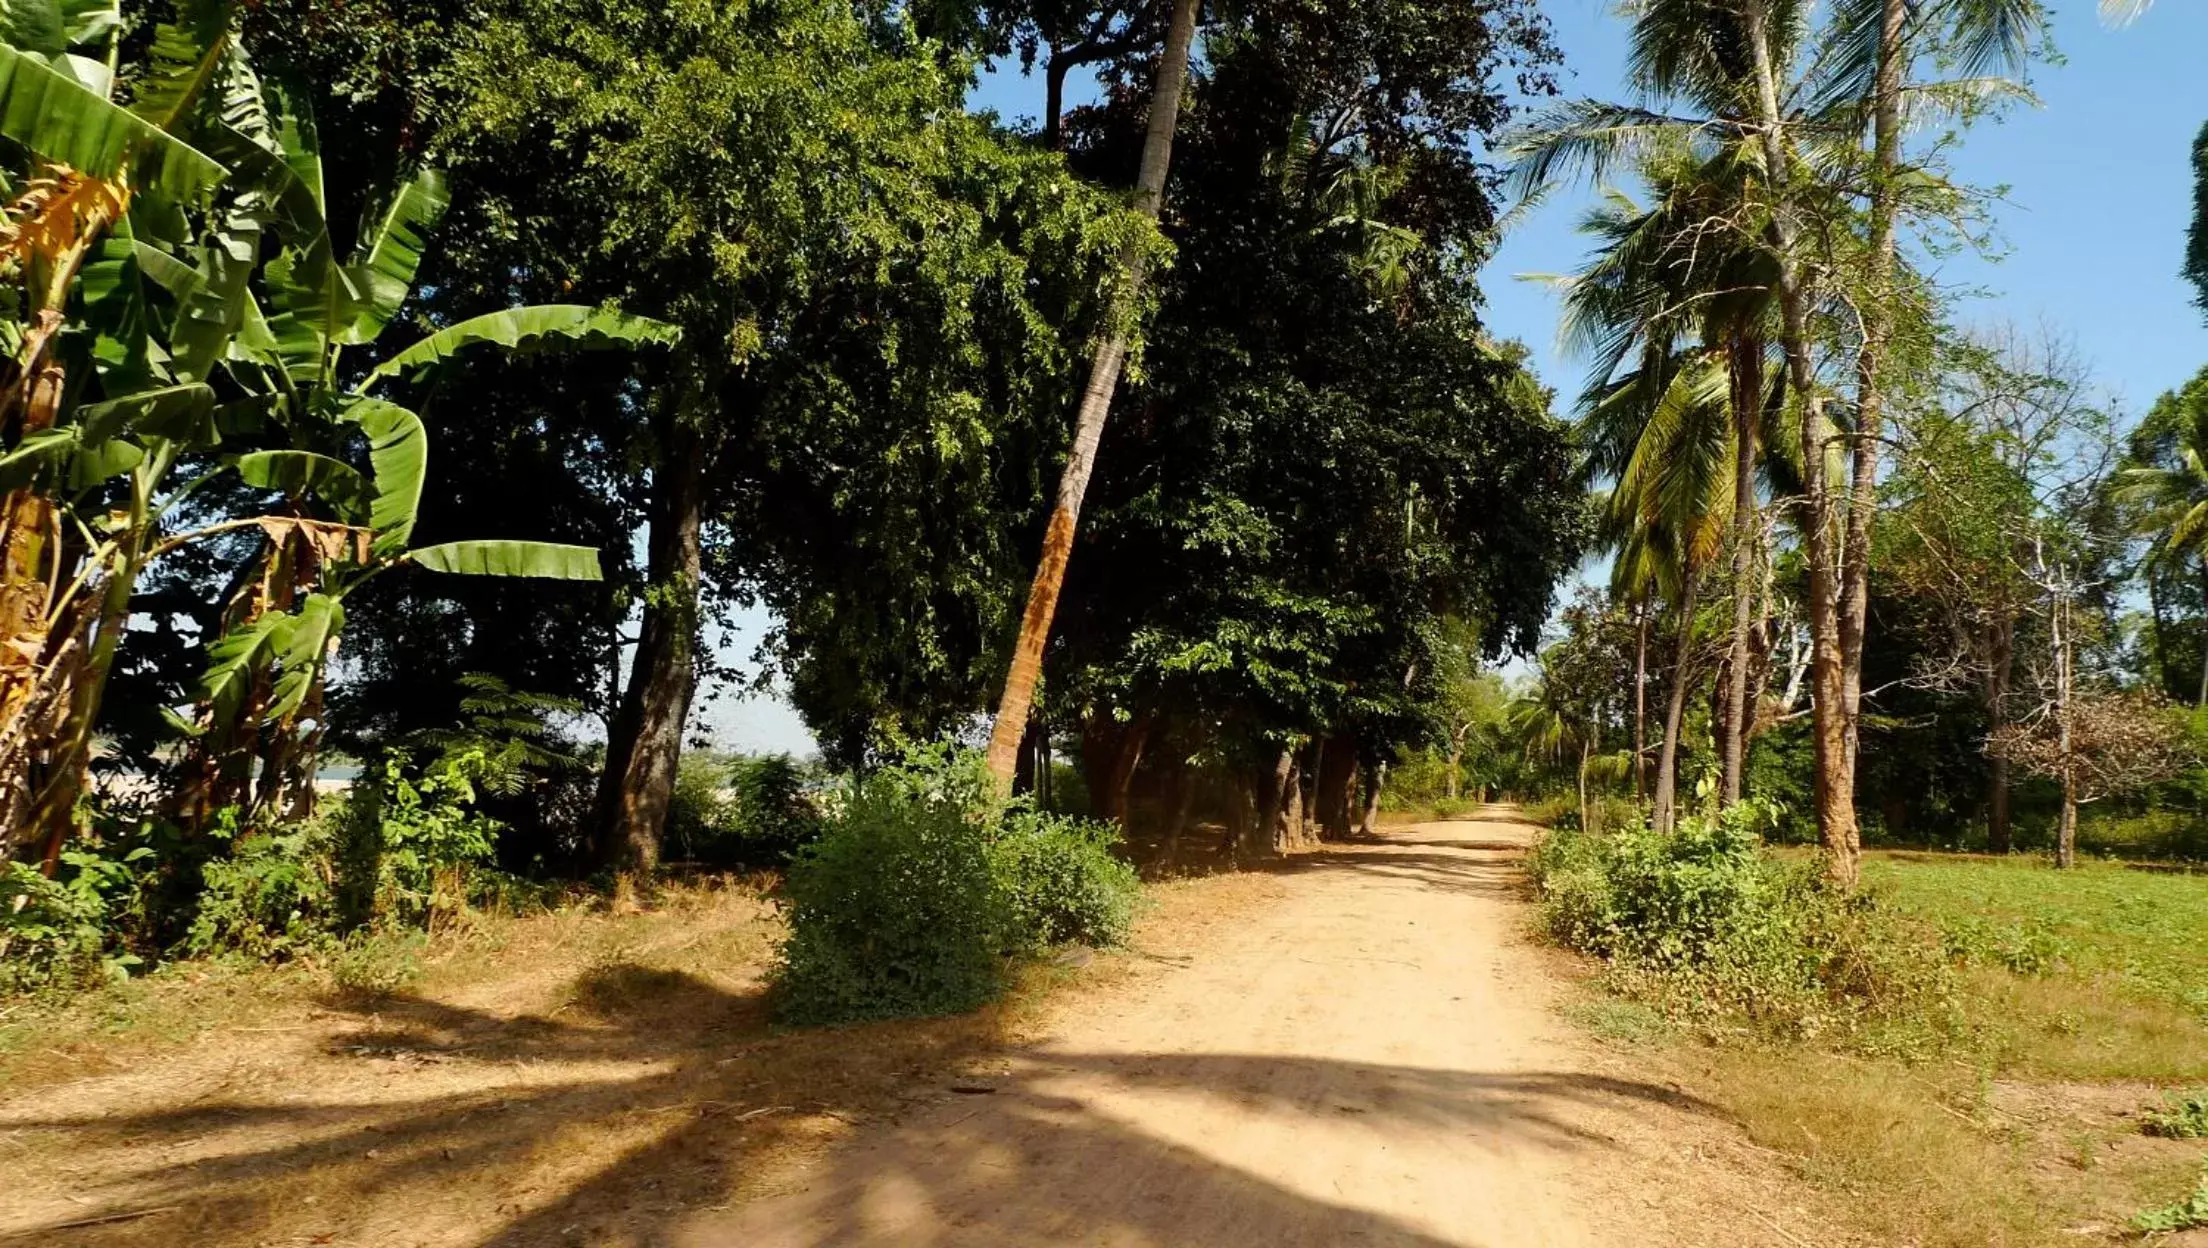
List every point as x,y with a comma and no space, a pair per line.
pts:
2021,1098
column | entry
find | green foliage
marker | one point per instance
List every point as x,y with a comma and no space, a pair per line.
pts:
1062,881
402,850
272,895
1706,925
2183,1116
2183,1215
740,812
56,933
924,886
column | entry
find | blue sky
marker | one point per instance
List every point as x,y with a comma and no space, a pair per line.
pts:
2099,185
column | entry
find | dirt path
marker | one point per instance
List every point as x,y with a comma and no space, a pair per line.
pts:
1357,1047
1373,1060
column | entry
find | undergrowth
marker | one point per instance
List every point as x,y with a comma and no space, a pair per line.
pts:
1705,926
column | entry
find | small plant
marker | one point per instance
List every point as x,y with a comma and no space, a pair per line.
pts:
375,964
2183,1116
58,933
2190,1213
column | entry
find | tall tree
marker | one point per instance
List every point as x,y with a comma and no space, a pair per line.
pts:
710,156
1010,725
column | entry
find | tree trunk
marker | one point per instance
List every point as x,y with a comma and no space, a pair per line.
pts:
1184,800
1337,777
1835,774
1122,775
1376,780
1746,361
1878,323
2066,830
1667,759
1640,704
1096,404
1586,811
2000,838
1273,786
2202,700
643,754
1054,101
1308,794
1291,805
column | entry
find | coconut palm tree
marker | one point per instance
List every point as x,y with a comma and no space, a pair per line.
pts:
2172,503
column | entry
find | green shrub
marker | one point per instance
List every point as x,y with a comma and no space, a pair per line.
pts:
2182,1117
740,812
1062,882
273,895
922,887
59,933
1704,924
404,848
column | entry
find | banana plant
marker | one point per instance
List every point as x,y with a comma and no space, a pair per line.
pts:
191,345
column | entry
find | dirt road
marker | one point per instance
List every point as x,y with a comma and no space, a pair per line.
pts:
1372,1060
1358,1046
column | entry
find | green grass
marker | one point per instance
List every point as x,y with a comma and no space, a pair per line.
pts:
2142,932
2070,1097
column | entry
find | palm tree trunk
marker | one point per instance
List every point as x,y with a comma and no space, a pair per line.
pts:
1747,402
1878,325
1586,812
1835,775
2202,700
1640,703
1667,760
1096,404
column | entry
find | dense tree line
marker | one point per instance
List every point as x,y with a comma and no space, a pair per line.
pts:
851,321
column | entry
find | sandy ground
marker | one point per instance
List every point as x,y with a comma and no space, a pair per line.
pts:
1357,1047
1374,1060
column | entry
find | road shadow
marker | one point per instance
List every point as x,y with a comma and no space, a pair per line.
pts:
679,1096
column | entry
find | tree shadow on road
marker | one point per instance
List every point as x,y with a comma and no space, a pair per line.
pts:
664,1097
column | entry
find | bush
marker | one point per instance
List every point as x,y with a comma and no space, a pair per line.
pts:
1704,924
1061,881
57,933
740,812
923,885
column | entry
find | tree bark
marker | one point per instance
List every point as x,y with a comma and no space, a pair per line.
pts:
1272,786
1835,774
1746,361
643,753
1290,834
2000,837
1878,326
1337,777
1054,100
1667,759
1640,703
2202,700
1376,780
1586,811
1122,776
1096,405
